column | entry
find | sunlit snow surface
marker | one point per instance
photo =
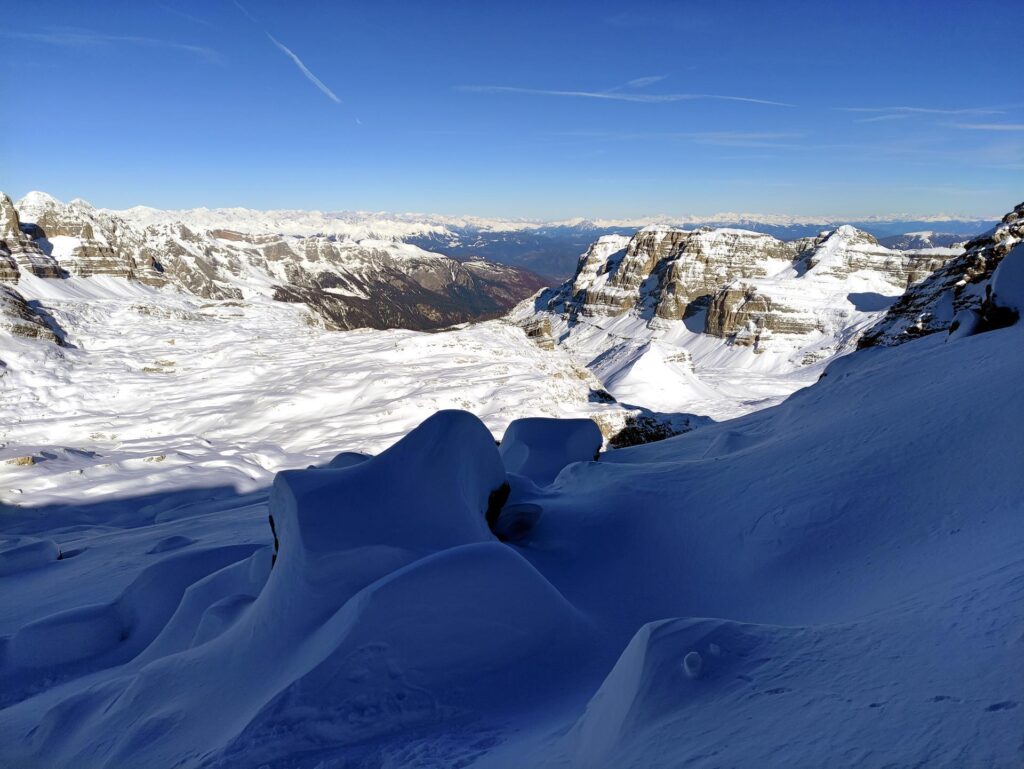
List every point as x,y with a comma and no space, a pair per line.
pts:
164,391
830,582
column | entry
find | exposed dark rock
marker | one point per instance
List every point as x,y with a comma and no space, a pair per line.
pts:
18,317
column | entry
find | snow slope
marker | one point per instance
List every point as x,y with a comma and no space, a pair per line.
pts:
832,581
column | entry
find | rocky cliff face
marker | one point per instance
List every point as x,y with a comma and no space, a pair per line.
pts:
348,283
754,288
836,283
19,249
955,294
664,272
18,317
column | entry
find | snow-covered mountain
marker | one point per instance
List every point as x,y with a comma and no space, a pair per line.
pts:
545,247
348,283
718,320
830,581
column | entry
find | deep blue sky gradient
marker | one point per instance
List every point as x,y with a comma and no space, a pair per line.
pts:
181,104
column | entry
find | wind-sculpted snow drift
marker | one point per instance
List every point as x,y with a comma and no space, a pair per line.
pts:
827,582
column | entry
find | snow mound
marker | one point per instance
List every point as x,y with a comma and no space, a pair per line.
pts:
390,606
22,553
669,666
539,448
429,491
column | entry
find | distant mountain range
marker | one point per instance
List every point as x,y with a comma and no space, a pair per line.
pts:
375,270
546,247
353,277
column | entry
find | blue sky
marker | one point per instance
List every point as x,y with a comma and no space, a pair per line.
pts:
547,109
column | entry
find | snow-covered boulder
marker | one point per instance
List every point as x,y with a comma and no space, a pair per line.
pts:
539,448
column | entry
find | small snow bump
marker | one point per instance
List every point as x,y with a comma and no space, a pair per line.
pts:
693,665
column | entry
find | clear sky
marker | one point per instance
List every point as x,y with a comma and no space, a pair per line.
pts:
537,109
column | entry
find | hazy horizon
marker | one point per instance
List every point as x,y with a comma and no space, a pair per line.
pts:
653,216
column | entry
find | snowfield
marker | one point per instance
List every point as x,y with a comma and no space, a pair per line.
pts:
830,579
163,392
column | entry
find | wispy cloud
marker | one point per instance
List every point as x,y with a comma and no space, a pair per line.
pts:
775,139
643,82
85,38
183,14
305,70
884,118
925,110
245,11
619,94
307,73
989,126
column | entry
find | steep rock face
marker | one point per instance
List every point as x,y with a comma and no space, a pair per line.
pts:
712,258
952,295
20,249
348,283
750,318
94,256
9,272
839,278
19,318
662,271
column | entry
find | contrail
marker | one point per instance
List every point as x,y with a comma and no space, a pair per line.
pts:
305,70
291,55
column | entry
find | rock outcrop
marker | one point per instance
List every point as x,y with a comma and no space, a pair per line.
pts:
20,249
18,317
953,295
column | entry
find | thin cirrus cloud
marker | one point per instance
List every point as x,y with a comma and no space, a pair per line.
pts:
924,110
884,118
184,14
84,38
989,126
619,93
716,138
641,82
